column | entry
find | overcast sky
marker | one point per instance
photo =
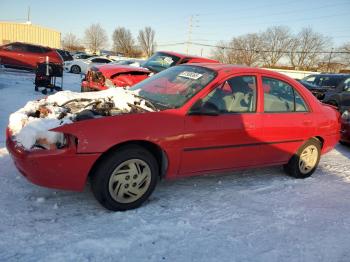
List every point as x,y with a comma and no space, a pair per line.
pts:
213,20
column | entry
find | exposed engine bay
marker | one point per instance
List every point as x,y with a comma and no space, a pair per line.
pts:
30,126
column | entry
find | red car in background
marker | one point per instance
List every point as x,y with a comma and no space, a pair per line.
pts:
27,56
109,76
207,118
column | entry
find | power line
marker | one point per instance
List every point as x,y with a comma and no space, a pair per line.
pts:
246,9
281,13
270,51
283,21
172,44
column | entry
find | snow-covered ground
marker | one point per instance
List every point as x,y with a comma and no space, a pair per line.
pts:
256,215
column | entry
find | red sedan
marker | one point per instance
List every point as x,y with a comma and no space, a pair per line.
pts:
27,56
208,118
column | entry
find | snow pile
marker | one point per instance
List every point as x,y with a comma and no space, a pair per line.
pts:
30,125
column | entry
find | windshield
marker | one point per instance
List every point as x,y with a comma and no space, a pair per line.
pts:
160,61
172,88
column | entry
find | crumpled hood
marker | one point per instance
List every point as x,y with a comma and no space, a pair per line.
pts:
31,125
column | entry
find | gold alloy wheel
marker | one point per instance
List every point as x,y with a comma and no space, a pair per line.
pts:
308,159
129,181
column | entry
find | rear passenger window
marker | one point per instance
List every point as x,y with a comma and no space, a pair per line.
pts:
300,105
281,97
34,49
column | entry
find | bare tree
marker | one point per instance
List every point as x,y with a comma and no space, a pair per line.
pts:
123,42
306,47
95,38
146,40
222,53
345,57
275,43
71,43
245,49
241,50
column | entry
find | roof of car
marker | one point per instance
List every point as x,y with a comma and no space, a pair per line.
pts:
182,55
24,43
332,75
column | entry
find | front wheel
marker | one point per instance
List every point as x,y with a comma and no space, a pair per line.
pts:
304,163
125,179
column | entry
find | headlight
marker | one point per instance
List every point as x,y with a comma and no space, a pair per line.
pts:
109,83
52,140
67,63
346,115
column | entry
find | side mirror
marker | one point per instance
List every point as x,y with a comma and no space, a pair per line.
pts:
204,108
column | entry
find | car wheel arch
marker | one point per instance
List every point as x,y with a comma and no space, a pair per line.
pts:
320,139
160,154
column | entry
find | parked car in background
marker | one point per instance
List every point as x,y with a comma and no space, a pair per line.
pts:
109,76
27,56
78,66
345,128
184,121
66,56
82,56
339,96
136,62
325,80
317,91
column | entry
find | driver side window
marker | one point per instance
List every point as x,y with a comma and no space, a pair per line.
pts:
235,95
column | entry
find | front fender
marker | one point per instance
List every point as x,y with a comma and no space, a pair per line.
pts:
97,135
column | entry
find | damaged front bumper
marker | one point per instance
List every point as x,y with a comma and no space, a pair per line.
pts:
58,168
87,86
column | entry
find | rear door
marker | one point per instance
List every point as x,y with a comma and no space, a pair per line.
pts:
287,120
231,138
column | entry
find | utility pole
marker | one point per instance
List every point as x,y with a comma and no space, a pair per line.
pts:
189,36
28,15
329,60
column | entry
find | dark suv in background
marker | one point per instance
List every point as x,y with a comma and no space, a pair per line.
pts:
321,85
27,56
339,96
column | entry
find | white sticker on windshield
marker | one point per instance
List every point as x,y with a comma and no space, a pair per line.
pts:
168,60
191,75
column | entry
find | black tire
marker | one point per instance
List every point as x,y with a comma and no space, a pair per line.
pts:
293,169
102,177
75,69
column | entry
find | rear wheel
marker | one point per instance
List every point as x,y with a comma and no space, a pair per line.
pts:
304,163
125,179
75,69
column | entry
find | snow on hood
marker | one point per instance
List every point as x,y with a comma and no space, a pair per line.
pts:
30,125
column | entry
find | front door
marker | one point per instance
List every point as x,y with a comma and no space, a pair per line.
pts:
227,140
